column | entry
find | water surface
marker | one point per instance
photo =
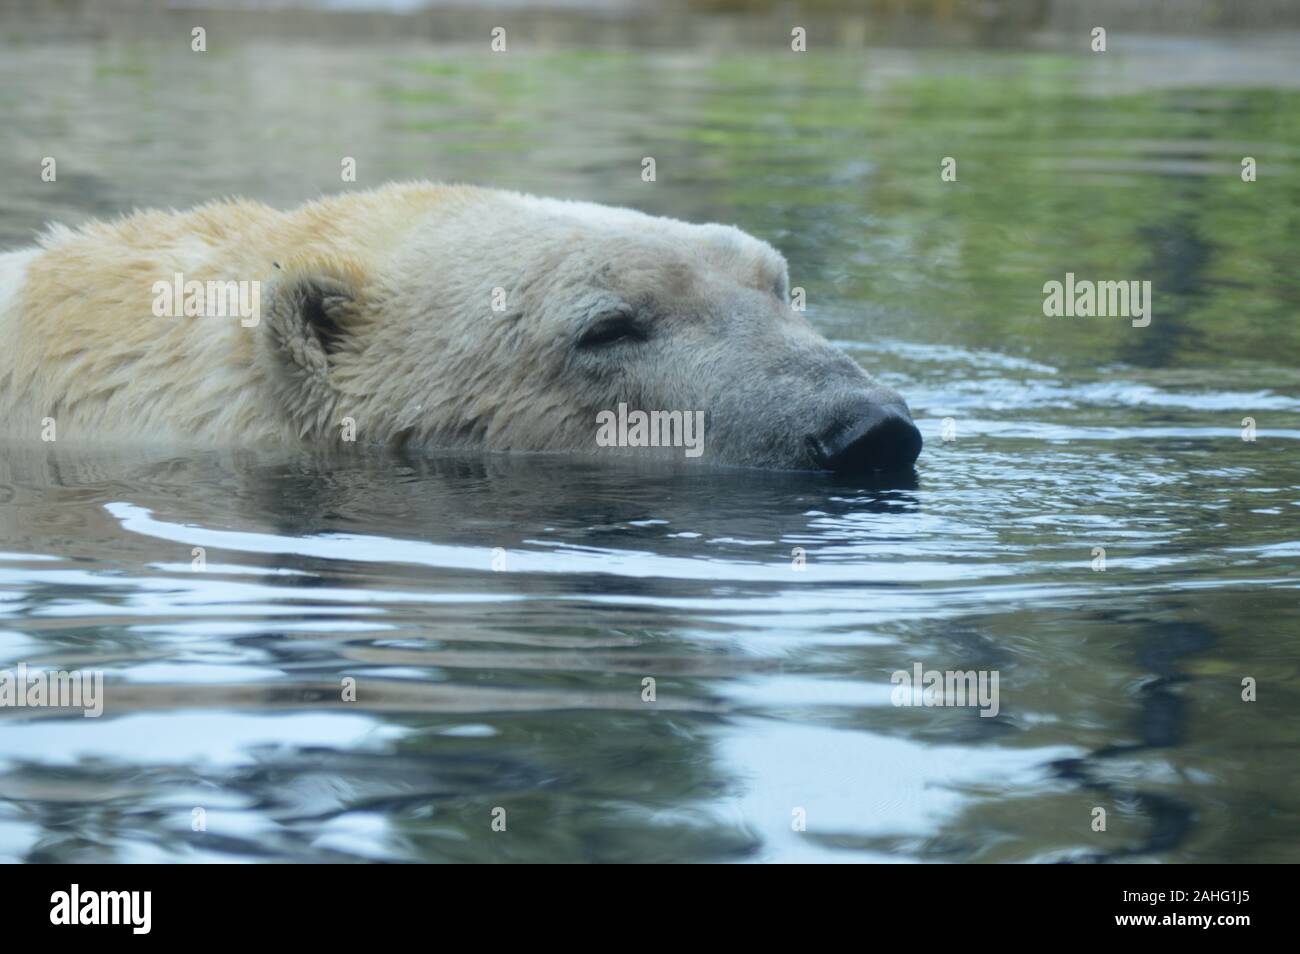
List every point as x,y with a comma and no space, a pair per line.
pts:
499,615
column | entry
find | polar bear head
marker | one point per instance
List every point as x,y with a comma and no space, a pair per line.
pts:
471,318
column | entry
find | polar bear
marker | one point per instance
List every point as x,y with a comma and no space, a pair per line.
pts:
433,316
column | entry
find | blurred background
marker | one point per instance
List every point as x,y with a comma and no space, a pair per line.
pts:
1107,163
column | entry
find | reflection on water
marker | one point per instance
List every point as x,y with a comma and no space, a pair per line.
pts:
499,615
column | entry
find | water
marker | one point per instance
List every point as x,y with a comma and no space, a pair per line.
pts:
499,615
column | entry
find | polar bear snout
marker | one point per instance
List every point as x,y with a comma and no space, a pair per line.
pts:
866,436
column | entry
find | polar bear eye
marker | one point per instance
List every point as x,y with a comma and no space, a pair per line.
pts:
608,329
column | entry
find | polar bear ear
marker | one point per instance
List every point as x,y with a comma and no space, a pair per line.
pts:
308,321
311,313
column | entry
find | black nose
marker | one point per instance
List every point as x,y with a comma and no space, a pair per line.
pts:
874,437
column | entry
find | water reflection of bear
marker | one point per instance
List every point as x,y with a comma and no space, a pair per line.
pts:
484,503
